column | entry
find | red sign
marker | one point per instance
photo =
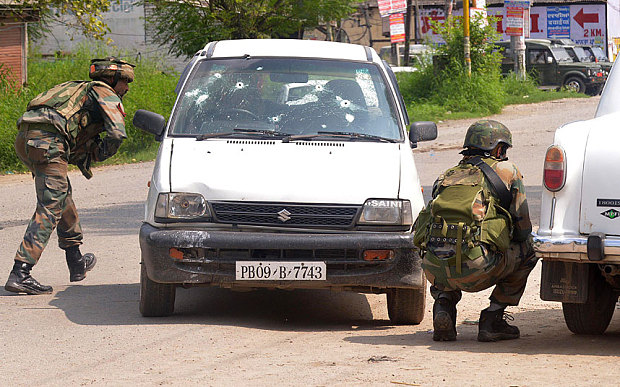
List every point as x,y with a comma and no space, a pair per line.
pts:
397,27
387,7
514,21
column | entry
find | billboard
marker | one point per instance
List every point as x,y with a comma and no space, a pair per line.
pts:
583,23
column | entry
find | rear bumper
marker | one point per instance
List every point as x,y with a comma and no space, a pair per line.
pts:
574,249
210,257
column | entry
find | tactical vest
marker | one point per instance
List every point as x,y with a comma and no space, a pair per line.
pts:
448,223
67,99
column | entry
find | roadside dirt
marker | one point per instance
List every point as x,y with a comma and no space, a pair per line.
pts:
91,333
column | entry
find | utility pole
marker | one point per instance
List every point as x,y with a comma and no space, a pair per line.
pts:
417,23
517,44
466,43
407,32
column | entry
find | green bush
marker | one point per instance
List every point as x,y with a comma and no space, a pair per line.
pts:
153,89
446,84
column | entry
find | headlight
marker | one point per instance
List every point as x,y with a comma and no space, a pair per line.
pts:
181,206
388,212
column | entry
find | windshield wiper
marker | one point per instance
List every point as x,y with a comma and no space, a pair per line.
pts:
356,135
235,131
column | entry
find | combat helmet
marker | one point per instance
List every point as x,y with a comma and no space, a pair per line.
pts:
111,67
486,135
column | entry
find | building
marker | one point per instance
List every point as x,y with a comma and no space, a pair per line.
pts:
14,40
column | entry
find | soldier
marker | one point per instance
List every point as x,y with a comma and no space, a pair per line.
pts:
62,126
475,233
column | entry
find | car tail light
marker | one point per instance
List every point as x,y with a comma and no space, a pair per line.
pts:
554,174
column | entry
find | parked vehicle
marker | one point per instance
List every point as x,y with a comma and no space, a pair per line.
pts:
419,54
581,53
579,235
553,67
285,164
597,55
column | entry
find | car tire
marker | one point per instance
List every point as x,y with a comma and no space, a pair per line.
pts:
156,299
592,317
575,84
406,306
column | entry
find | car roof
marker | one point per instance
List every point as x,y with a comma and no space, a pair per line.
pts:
290,48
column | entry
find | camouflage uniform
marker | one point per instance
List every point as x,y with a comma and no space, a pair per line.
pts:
507,270
48,141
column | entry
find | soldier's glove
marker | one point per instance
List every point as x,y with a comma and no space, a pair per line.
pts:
83,162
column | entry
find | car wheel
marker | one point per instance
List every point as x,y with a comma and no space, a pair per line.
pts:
406,306
575,84
593,317
156,299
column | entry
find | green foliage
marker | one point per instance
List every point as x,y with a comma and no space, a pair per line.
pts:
186,26
443,90
446,82
153,89
85,15
485,59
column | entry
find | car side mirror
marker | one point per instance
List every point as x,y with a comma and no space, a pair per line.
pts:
150,122
422,131
549,59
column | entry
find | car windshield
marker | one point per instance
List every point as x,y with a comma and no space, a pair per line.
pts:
582,55
600,54
278,96
560,54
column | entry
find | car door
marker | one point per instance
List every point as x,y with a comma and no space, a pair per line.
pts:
540,62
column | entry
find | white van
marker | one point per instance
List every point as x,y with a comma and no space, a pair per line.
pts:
262,182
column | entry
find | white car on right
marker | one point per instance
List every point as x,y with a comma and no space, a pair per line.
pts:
579,235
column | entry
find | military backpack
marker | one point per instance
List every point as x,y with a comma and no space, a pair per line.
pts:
451,228
67,99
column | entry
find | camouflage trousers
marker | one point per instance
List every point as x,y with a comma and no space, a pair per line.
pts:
507,271
44,153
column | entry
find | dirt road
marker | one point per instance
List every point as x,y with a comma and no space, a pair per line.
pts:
92,334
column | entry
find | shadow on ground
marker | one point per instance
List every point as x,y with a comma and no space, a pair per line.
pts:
542,332
311,310
121,219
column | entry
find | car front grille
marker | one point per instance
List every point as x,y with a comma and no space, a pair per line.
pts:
286,215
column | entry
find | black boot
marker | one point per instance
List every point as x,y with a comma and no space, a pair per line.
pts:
20,280
444,320
79,264
493,326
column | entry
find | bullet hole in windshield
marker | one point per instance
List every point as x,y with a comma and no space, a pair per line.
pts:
345,103
239,85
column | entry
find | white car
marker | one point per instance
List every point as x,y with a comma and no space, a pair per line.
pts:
579,234
285,164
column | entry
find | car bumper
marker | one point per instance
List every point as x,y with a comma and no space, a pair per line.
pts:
575,249
210,257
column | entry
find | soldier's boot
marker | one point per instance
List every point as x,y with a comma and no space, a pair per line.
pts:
493,326
20,280
79,264
444,320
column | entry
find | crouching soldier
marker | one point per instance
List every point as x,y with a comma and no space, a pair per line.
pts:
474,234
62,126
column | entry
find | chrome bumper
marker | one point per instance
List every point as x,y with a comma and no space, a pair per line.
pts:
574,249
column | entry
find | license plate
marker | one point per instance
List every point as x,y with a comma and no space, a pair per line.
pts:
280,271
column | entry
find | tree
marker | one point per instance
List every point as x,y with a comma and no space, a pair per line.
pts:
187,25
86,15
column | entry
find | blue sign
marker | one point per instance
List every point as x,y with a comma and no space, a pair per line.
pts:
558,22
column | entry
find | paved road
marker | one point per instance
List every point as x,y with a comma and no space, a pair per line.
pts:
92,333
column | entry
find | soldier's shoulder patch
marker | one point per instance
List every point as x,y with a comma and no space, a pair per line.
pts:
120,108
